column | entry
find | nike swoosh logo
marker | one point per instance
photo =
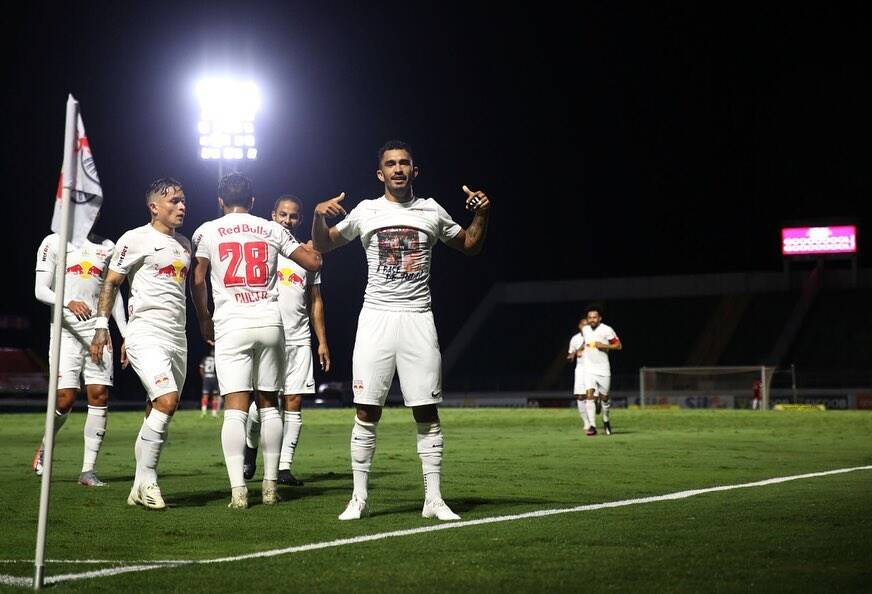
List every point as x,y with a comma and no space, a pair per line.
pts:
435,394
310,384
159,249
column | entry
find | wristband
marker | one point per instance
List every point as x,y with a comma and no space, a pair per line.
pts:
101,323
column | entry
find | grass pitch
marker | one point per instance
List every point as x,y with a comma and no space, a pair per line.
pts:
812,534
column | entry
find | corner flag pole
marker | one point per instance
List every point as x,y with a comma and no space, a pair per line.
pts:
69,182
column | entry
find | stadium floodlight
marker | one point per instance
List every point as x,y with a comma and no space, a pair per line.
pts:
226,127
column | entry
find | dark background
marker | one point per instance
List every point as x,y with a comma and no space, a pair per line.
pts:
614,141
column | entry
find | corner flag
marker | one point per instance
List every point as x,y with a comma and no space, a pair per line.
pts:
86,196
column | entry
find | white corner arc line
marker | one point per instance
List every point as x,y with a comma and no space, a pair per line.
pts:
148,565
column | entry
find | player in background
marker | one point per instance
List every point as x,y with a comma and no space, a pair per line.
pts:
576,353
599,339
246,328
395,331
302,307
210,385
87,264
155,260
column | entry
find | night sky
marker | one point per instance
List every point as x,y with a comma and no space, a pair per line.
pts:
613,141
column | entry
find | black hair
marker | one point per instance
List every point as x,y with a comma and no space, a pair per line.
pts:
236,190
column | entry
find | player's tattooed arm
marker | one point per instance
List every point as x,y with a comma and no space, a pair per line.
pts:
470,241
105,304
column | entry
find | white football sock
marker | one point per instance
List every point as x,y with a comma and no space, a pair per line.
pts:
60,419
591,412
233,444
605,405
152,436
95,428
252,427
271,438
293,426
430,443
582,410
362,453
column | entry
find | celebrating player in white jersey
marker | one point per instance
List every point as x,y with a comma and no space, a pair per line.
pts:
86,268
395,331
155,260
576,353
300,303
599,339
246,328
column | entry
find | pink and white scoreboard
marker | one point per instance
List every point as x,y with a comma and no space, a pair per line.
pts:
813,241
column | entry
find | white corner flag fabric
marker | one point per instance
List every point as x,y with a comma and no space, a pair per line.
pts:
86,196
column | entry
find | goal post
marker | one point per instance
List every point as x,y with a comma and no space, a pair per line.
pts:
699,386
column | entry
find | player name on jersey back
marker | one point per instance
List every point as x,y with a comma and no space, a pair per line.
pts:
243,250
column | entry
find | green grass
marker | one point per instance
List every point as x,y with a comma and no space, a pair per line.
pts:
808,535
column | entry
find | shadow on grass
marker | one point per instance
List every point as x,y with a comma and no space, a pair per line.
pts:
462,505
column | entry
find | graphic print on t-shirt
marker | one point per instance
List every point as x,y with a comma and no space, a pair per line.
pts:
401,253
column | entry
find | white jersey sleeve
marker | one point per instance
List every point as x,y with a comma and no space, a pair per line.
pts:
448,229
349,227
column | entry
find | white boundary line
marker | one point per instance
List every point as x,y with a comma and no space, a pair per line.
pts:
147,565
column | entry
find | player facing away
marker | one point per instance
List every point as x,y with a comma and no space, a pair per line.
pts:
87,264
210,385
576,353
155,260
599,339
301,307
246,328
395,331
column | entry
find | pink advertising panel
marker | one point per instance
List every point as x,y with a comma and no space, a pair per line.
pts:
799,241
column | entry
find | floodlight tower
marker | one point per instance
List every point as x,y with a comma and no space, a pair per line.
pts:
226,127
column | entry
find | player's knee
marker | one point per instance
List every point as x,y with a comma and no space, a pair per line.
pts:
166,403
65,400
369,413
293,403
428,413
98,395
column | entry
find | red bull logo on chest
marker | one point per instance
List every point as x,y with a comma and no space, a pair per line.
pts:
176,271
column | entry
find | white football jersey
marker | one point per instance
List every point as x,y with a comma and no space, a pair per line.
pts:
398,238
86,269
293,283
243,251
596,362
576,343
157,266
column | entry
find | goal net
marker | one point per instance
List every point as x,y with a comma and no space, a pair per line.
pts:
706,387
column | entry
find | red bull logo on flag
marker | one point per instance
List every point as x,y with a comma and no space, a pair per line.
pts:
176,271
288,277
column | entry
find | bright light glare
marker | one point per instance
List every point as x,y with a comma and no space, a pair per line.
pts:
227,113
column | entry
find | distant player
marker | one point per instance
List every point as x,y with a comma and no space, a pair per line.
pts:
300,303
210,385
242,252
155,260
87,264
576,353
395,331
599,339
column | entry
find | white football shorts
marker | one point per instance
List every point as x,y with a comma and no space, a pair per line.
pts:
600,384
299,378
75,362
402,342
250,359
161,366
